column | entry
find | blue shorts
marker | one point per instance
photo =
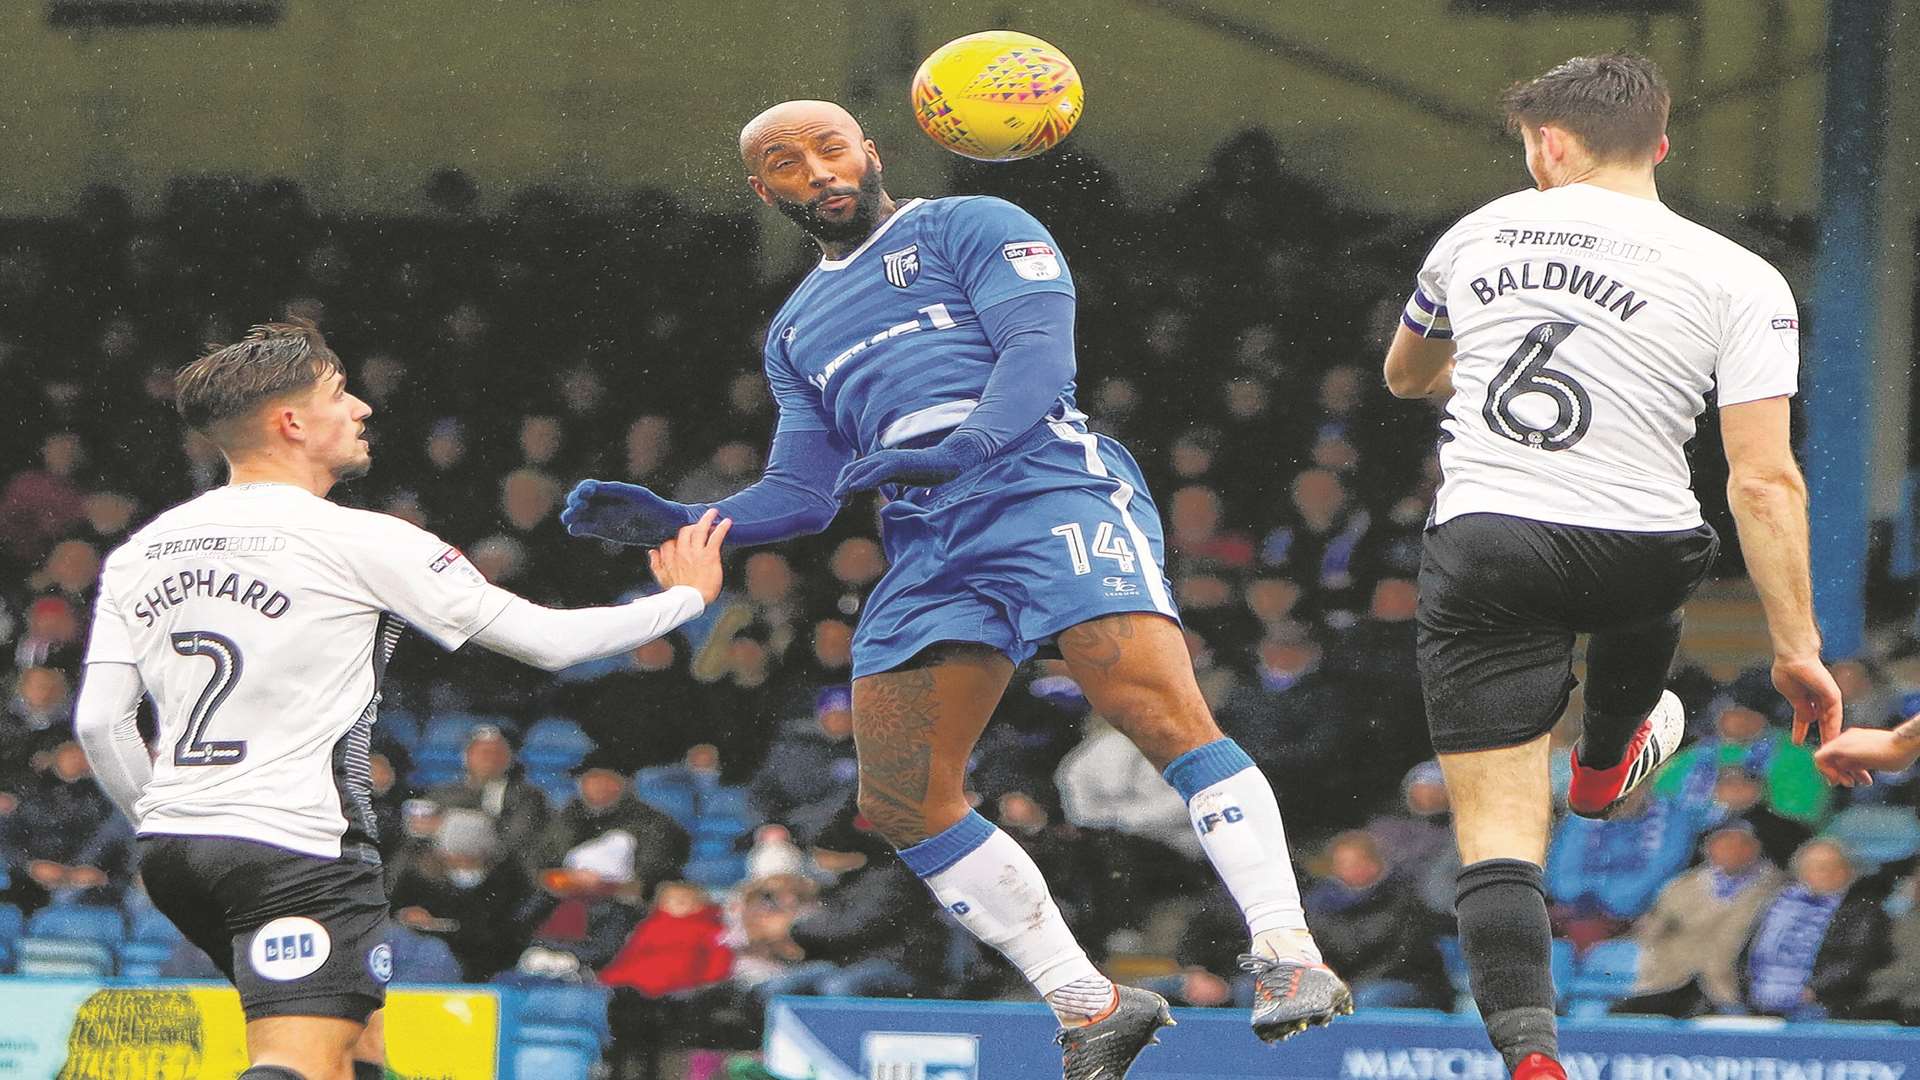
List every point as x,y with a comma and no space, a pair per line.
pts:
1054,530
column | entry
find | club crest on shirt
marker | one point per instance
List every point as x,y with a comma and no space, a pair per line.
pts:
1033,260
903,266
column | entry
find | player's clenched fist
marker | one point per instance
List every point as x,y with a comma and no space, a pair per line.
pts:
692,557
622,513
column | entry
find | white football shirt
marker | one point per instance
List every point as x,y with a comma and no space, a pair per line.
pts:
1588,328
261,617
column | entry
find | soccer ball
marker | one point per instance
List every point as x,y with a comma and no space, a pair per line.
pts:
999,95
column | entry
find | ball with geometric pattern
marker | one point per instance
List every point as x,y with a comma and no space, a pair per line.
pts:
999,95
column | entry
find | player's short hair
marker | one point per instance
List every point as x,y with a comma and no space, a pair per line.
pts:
231,381
1616,103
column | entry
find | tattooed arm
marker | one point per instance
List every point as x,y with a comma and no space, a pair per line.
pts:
1855,751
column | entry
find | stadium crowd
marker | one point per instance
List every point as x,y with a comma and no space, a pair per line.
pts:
677,824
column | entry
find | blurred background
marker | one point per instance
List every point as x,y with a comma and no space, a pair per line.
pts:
526,229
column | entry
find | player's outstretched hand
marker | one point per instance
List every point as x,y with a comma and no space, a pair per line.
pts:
622,513
935,464
1809,686
692,557
1860,752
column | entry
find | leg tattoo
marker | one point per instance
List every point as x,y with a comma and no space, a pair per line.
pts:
894,718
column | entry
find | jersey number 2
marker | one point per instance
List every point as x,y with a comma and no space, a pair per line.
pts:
193,749
1526,372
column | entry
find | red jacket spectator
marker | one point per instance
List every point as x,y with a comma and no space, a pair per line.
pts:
676,947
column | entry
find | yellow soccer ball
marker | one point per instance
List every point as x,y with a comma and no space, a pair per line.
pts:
999,95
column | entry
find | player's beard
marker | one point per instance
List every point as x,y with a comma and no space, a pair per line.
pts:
857,226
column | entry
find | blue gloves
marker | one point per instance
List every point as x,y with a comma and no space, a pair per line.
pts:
624,513
959,451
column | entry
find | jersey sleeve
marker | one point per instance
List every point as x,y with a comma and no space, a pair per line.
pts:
999,251
1760,343
1426,310
109,642
800,406
421,578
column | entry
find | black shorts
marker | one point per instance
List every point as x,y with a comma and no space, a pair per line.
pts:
1501,599
296,934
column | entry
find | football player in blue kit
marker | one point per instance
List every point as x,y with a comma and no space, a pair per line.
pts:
930,356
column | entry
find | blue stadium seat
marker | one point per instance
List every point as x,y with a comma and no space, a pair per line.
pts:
553,1061
11,924
559,788
402,727
555,743
1605,975
146,924
673,799
1876,835
716,872
79,922
578,1010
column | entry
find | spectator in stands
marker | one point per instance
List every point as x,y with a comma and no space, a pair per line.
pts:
678,946
1745,736
606,803
40,505
489,785
1280,719
418,957
872,930
856,567
390,795
1816,944
1375,930
669,981
477,898
811,772
1601,875
1318,543
1690,942
1131,824
1740,795
1196,536
63,840
1421,830
1893,991
52,637
38,715
598,902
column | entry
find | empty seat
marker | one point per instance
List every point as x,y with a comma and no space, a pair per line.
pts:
1605,975
575,1009
555,744
79,922
553,1061
717,871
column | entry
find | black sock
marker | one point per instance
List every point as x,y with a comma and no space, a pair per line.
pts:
1604,739
369,1070
1508,945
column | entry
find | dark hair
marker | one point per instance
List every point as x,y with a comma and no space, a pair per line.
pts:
231,381
1616,103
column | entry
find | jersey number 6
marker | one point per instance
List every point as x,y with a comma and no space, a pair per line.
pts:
1526,372
191,749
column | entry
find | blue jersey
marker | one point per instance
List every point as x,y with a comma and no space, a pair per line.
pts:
886,345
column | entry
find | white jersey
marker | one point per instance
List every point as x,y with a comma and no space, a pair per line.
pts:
261,617
1588,328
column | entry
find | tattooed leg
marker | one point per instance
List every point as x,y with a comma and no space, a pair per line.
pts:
1137,673
914,728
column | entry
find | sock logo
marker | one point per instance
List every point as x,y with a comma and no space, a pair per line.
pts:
959,907
1232,815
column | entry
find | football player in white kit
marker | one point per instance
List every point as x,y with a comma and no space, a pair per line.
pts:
259,617
1575,332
